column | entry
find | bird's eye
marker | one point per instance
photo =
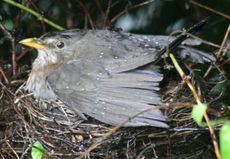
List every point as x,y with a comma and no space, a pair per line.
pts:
60,44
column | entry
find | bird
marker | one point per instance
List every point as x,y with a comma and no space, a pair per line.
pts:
103,74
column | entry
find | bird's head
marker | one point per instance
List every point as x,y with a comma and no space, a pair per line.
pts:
59,45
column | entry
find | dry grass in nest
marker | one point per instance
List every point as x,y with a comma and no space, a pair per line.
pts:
25,120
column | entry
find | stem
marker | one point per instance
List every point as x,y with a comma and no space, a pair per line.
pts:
34,13
197,98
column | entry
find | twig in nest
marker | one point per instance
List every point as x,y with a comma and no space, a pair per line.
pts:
113,130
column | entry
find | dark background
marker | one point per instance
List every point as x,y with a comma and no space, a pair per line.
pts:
156,17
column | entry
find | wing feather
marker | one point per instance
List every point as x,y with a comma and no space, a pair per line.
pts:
109,97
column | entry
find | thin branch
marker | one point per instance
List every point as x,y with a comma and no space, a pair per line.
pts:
221,50
13,58
34,13
12,149
86,11
106,21
4,75
12,39
210,9
129,8
98,4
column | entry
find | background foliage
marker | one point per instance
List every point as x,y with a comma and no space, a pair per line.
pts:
137,16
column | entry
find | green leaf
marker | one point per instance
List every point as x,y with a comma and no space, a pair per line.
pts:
218,88
8,24
198,113
225,141
38,150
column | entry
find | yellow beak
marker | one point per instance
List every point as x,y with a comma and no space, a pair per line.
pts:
33,42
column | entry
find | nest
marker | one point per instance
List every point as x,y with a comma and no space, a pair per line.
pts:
25,120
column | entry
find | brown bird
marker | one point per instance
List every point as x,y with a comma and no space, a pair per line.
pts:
104,74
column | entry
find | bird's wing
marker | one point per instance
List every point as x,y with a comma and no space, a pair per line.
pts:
109,97
121,52
118,52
